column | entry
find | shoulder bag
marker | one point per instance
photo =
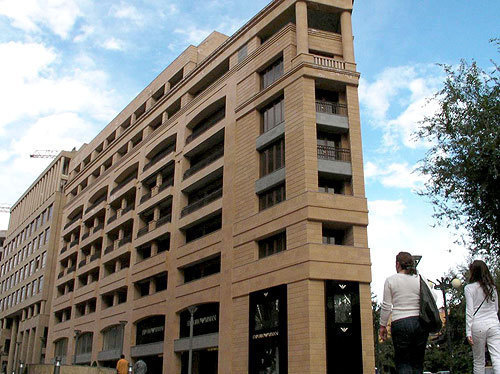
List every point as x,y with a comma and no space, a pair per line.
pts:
429,313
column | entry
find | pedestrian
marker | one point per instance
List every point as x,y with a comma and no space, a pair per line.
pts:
402,300
481,319
140,367
122,365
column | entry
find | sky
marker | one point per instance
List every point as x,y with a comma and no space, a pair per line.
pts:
67,67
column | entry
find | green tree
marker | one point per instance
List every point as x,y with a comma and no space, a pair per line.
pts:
463,163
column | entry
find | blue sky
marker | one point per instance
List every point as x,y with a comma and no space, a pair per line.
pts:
69,66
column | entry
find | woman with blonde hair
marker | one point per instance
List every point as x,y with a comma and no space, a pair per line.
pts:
402,300
482,327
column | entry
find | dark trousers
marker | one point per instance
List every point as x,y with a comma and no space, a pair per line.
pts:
409,339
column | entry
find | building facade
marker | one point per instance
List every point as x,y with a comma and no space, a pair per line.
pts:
27,267
223,211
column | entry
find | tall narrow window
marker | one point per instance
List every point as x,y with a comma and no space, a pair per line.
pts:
272,158
272,73
273,115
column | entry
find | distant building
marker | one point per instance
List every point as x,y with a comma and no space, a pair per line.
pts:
27,267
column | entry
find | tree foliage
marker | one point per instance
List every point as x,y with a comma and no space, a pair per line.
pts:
463,163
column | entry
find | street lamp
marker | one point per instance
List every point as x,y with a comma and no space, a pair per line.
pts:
192,310
77,334
122,324
129,369
21,367
444,284
57,365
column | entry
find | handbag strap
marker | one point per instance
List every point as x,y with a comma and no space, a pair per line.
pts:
480,305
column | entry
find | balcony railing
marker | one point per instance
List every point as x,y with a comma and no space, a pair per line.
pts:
82,263
122,183
73,243
63,249
98,227
143,231
60,275
203,128
86,235
217,194
109,249
163,220
112,218
125,240
71,269
71,222
96,203
127,209
334,154
329,62
146,197
216,154
331,108
167,183
159,156
95,256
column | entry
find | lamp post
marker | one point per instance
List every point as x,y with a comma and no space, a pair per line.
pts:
21,367
77,334
122,324
130,370
192,310
57,366
444,284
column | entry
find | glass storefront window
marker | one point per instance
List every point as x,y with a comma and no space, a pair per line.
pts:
268,331
150,330
84,344
206,320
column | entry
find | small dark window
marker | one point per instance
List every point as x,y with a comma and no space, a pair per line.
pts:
272,73
242,53
272,158
161,282
272,245
204,228
143,288
272,197
331,236
273,115
331,186
202,269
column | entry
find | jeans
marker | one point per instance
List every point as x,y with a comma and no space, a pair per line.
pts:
482,336
409,339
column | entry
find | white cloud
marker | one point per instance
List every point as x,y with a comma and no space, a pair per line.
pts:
394,228
193,34
399,175
127,12
85,32
59,16
397,100
113,44
31,86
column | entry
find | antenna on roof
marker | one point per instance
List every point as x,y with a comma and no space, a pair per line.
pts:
48,153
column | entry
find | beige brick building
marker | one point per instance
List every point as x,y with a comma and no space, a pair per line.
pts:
27,267
229,193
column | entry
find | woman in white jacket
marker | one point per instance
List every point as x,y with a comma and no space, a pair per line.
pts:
481,321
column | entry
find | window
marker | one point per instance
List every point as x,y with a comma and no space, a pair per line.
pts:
206,320
47,233
204,228
272,245
112,338
331,236
150,330
331,186
84,343
272,197
49,212
242,53
61,347
272,158
40,284
272,73
273,115
202,269
44,259
268,331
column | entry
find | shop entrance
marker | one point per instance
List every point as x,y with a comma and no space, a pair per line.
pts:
205,361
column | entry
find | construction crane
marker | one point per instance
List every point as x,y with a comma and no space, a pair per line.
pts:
48,153
4,208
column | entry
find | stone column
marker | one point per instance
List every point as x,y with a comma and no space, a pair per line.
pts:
37,345
347,42
13,341
31,341
301,22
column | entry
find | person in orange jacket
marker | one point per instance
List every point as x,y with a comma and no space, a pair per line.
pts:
122,365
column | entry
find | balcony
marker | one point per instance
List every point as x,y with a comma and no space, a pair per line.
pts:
216,154
217,194
334,160
112,218
96,203
163,220
125,240
73,243
158,157
85,236
82,263
95,256
331,115
122,184
109,249
332,63
206,126
71,269
63,249
145,197
143,231
71,222
97,228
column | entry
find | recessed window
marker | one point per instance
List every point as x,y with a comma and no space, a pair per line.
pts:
273,244
333,236
272,158
272,197
202,269
272,73
273,115
242,53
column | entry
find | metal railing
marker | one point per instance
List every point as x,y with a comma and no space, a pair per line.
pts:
82,263
216,154
203,128
326,152
169,182
98,227
73,243
125,240
159,156
123,183
143,231
71,269
109,249
95,256
95,203
146,197
329,107
127,209
163,220
217,194
86,235
112,218
72,221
